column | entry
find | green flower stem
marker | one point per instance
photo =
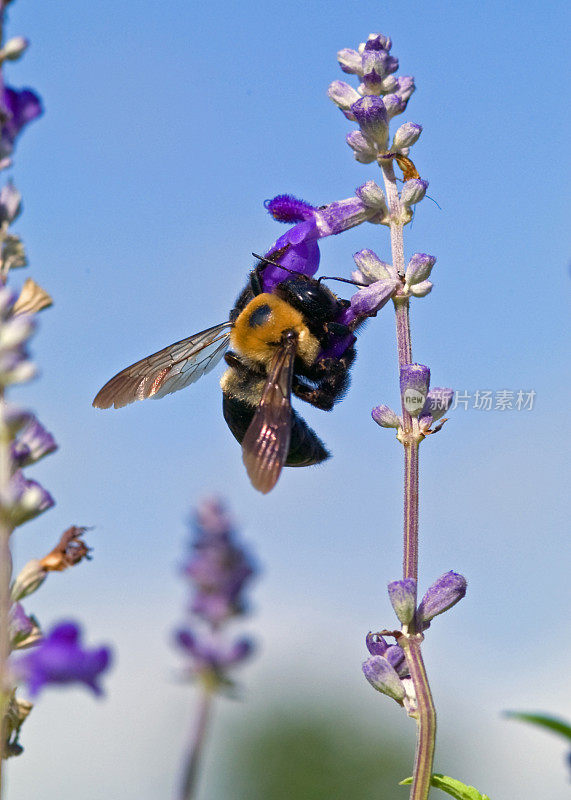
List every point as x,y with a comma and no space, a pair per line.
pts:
192,763
411,437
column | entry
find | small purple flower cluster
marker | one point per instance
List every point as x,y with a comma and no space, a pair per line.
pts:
58,657
423,404
219,571
386,669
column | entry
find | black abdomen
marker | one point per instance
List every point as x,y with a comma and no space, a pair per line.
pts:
305,447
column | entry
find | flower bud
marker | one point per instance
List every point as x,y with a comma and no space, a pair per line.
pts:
372,196
28,580
371,267
383,677
26,499
421,289
378,41
386,417
362,149
394,105
406,135
402,595
444,593
413,191
14,48
376,644
10,203
438,402
350,61
414,383
343,95
371,114
13,418
419,268
405,87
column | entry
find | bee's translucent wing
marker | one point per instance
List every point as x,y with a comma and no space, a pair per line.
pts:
169,370
266,444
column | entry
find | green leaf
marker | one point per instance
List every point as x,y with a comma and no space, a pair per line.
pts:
544,720
456,789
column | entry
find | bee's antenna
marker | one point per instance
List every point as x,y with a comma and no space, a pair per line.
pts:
295,272
343,280
275,264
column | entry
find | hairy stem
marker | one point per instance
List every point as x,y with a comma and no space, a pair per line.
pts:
411,438
426,720
192,763
410,543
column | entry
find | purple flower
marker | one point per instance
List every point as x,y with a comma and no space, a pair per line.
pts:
219,568
33,444
444,593
382,281
213,654
26,499
60,659
414,384
298,248
402,595
21,107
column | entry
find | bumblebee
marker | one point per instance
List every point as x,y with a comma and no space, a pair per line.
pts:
282,341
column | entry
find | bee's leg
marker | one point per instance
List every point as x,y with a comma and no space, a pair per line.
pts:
325,382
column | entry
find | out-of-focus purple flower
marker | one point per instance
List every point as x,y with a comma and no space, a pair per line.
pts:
444,593
298,248
10,203
219,568
24,630
210,653
25,499
60,659
34,443
20,106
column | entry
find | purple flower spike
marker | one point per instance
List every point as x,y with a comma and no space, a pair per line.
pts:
219,568
402,595
60,659
371,114
414,384
287,208
386,417
22,106
383,677
444,593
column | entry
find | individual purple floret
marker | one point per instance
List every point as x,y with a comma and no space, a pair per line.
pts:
444,593
60,659
213,654
219,569
402,595
21,106
34,443
300,243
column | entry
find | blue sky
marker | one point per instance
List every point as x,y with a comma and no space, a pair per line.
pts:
166,128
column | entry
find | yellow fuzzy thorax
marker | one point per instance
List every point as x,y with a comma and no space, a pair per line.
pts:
258,330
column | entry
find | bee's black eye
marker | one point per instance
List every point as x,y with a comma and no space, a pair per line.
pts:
259,316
